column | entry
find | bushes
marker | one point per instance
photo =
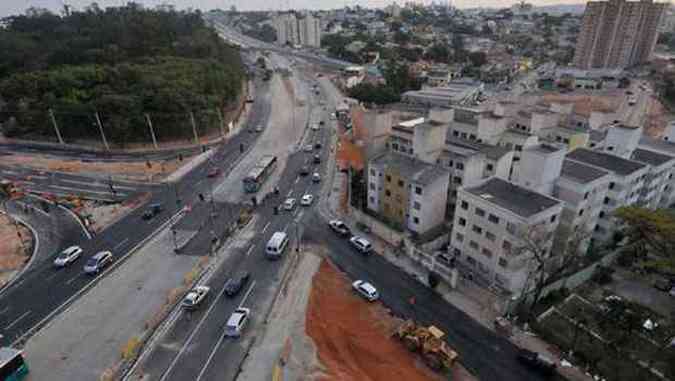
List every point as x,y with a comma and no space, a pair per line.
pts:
602,275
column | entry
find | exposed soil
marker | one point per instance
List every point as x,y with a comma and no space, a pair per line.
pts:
353,337
585,104
12,254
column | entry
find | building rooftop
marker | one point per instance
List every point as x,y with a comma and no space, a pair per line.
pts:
653,144
410,168
544,148
580,172
650,157
605,161
512,197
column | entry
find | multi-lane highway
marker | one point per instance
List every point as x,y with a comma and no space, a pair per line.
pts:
45,290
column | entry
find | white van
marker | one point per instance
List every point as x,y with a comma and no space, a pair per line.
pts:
276,245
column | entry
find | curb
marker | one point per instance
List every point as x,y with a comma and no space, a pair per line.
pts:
33,255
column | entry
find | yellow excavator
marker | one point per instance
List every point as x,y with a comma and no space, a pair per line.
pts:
428,342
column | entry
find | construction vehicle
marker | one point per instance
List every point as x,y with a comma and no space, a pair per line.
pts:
428,342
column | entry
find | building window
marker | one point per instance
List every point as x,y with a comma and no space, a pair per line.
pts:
459,166
480,212
455,133
610,148
503,262
511,227
473,245
472,137
477,229
387,193
459,237
395,146
487,252
506,245
611,185
606,201
592,145
464,205
457,180
417,205
494,219
490,236
553,218
601,215
586,196
463,135
388,178
411,151
416,220
372,200
372,172
372,185
519,147
418,190
461,222
401,183
581,212
489,167
450,163
470,260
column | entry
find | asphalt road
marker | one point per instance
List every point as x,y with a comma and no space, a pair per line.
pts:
45,289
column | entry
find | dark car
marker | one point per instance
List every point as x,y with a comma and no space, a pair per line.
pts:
213,172
236,283
536,361
304,170
317,145
662,285
152,211
321,123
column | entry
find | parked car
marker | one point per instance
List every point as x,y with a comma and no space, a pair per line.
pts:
236,283
366,290
663,285
306,200
339,227
537,362
304,170
321,123
195,297
317,159
152,211
289,204
237,321
96,263
315,127
307,148
260,128
68,256
361,244
316,177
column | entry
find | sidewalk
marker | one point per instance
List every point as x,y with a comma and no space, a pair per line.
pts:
478,302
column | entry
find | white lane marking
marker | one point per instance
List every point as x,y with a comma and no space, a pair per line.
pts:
286,228
73,279
296,180
97,184
17,320
243,300
51,277
168,370
250,249
290,192
120,244
85,190
76,218
4,310
267,225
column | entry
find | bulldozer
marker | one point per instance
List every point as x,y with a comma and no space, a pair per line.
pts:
428,341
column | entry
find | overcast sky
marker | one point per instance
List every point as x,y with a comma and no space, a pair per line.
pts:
10,7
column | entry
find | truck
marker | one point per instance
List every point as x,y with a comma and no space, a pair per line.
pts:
429,343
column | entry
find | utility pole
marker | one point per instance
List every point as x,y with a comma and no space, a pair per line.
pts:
194,127
56,126
100,127
152,131
222,122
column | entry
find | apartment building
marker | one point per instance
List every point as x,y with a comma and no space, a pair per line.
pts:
658,180
304,29
625,187
617,33
583,189
666,148
407,192
490,223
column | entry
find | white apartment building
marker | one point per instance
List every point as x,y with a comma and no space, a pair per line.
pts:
490,222
659,177
407,192
667,148
309,28
583,189
627,181
295,30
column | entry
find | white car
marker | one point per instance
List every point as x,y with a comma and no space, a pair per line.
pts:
316,177
361,244
195,297
68,256
289,204
339,227
367,290
315,127
306,200
308,148
237,322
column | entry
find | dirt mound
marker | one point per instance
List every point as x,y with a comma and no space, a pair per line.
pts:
353,337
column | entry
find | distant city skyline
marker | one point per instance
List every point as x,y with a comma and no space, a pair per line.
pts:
12,7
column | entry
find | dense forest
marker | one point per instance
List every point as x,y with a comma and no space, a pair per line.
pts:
119,62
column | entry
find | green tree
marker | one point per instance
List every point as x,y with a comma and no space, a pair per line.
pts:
649,231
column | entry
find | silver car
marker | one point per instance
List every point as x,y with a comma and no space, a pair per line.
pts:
68,256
